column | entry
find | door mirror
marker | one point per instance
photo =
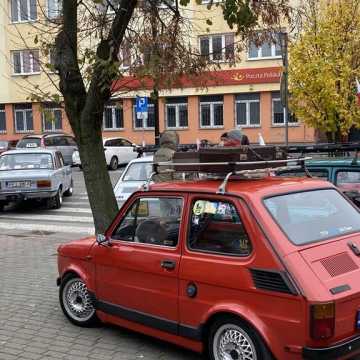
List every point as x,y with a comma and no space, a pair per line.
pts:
101,239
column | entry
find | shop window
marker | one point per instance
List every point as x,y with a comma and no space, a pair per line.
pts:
23,118
211,112
176,113
247,109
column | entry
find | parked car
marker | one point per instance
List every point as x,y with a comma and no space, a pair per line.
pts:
34,174
342,172
135,175
260,269
56,141
117,151
6,145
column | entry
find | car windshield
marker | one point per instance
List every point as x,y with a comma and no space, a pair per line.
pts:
29,143
3,144
139,171
28,161
311,216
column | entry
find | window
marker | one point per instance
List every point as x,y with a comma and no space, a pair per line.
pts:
278,112
113,117
316,173
210,1
311,216
54,9
2,119
268,49
348,180
26,161
217,47
211,111
125,54
52,118
215,226
176,113
23,118
247,109
23,10
25,62
154,221
148,123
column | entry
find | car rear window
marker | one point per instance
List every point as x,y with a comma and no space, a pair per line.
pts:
311,216
139,171
29,161
29,143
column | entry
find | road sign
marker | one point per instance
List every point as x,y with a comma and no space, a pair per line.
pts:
141,104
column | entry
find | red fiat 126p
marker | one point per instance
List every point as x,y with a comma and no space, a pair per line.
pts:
239,269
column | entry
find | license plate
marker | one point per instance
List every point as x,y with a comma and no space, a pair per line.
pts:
19,184
357,325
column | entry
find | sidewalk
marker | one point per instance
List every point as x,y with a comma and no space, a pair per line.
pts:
32,325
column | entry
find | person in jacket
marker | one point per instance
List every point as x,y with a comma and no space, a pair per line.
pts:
234,137
169,141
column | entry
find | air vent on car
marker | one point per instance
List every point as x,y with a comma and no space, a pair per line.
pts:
272,281
339,264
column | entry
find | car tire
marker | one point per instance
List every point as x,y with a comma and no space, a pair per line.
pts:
69,191
114,163
57,200
231,338
76,302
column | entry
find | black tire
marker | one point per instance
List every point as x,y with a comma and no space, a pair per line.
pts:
245,340
79,310
69,191
114,163
56,201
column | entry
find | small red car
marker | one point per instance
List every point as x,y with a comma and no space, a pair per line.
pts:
268,269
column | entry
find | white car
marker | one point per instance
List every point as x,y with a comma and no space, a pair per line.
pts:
117,151
135,175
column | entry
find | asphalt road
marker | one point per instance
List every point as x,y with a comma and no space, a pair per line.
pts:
32,325
74,216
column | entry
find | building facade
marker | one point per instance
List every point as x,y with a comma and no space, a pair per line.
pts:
246,95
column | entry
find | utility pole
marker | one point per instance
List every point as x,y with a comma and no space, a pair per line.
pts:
284,89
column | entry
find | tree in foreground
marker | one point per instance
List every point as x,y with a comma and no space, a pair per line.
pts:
324,65
89,35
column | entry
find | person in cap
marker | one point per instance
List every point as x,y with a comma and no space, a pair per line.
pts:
234,137
169,141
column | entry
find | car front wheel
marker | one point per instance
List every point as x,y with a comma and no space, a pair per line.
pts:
232,339
76,302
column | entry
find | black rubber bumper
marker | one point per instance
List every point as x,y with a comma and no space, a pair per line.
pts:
349,347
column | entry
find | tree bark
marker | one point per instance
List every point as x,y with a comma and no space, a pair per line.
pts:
85,108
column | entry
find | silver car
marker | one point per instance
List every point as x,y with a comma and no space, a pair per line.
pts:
34,174
133,178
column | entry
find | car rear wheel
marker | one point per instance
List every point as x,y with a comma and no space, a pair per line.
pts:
232,339
114,163
56,201
70,190
76,302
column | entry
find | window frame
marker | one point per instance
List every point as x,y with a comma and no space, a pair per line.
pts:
23,111
32,62
282,124
207,197
18,8
43,120
259,52
122,215
3,112
210,56
212,104
247,103
177,116
113,118
144,128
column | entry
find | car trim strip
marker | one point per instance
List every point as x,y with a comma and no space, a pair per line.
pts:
152,321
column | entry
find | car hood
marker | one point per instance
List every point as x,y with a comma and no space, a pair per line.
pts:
124,189
25,174
77,248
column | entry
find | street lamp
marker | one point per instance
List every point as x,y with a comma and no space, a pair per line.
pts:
284,83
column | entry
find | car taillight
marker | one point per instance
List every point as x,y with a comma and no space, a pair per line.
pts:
322,320
43,183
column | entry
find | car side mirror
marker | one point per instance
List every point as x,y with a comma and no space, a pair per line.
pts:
101,239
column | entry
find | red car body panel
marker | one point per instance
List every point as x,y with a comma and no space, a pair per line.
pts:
129,275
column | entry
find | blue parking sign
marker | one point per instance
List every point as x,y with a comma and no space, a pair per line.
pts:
141,104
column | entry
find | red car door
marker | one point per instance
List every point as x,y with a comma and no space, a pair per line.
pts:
137,276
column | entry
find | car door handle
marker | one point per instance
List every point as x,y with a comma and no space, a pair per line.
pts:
168,264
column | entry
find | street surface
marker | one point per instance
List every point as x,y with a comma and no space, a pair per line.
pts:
32,325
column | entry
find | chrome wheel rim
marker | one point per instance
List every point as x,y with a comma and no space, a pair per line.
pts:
76,300
115,163
231,342
60,197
